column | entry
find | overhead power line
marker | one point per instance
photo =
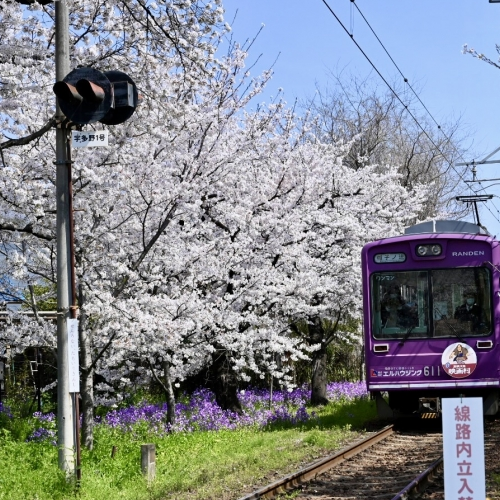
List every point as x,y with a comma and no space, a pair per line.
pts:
351,36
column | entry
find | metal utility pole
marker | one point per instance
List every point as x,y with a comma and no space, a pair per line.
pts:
474,199
84,95
65,417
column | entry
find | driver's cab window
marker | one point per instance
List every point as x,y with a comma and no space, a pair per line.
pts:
433,303
399,304
461,302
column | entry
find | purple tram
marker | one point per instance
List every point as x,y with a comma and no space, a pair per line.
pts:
431,301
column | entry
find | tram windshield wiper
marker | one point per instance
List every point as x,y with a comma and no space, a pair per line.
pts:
459,337
451,327
406,336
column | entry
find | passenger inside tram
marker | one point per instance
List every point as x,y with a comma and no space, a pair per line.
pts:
396,312
469,311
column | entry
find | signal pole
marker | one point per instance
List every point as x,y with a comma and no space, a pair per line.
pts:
65,417
84,95
111,105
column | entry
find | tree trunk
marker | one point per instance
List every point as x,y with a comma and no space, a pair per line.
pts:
87,409
319,365
225,384
169,394
87,382
319,378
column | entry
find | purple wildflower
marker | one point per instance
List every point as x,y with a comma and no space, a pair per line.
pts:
5,410
41,435
46,431
45,417
200,412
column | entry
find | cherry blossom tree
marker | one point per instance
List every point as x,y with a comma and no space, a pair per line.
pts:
479,55
206,228
388,131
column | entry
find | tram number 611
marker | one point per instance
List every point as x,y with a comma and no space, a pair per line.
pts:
430,371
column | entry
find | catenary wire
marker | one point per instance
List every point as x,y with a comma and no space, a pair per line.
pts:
353,2
397,67
388,84
351,35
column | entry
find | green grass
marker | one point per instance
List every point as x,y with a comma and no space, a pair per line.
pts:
220,465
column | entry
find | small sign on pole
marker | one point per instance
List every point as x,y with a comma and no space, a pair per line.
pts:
73,361
463,448
90,139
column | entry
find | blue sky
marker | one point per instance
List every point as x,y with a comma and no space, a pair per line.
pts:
424,38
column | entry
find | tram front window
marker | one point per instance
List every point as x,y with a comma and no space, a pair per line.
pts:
434,303
399,304
461,302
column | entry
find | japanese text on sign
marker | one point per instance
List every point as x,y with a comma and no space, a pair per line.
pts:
93,138
406,371
73,360
463,446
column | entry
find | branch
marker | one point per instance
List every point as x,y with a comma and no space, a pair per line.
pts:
26,229
155,376
474,53
123,283
27,139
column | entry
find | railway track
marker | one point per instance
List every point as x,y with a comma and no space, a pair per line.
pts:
388,464
397,467
492,466
378,467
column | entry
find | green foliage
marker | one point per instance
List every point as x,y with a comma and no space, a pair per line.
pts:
19,429
344,352
5,419
189,466
496,479
29,471
344,360
19,386
16,427
20,382
45,297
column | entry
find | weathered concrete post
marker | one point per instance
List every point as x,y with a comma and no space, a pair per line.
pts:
148,461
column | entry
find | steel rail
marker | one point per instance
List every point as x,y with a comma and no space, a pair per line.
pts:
311,471
421,481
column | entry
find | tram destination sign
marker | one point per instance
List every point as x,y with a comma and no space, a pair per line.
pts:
383,258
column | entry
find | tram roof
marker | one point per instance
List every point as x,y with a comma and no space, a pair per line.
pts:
446,226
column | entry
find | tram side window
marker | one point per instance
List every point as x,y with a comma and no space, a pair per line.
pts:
399,304
461,301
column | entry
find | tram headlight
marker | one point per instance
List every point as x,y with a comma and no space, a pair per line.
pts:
429,250
436,249
422,250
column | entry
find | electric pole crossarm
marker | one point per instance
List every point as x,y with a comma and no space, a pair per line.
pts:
481,162
478,163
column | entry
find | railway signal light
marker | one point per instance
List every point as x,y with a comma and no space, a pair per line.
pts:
125,98
87,95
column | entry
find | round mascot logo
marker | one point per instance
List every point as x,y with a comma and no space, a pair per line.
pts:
459,360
